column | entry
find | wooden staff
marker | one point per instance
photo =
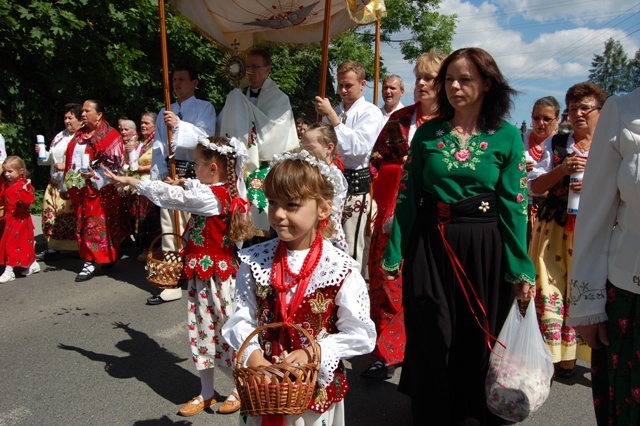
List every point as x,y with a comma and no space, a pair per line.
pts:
325,51
376,64
167,102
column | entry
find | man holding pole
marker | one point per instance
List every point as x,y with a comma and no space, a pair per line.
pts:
188,119
357,124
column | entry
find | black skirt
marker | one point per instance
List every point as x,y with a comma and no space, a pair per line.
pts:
447,354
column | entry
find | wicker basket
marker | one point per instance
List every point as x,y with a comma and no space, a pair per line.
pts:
164,267
276,389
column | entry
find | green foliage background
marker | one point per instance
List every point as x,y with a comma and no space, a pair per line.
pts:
613,71
61,51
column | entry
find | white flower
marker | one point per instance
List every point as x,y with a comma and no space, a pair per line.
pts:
440,133
484,206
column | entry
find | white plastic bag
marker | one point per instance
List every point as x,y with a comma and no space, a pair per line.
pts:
519,376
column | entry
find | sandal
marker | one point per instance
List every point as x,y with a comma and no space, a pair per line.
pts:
86,274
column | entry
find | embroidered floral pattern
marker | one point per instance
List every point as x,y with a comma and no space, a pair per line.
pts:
461,155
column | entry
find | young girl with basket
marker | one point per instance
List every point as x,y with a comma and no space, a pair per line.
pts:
300,279
218,206
17,246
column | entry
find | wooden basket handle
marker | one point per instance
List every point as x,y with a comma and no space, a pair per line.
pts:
150,254
313,343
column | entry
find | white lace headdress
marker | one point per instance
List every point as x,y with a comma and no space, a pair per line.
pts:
237,150
303,155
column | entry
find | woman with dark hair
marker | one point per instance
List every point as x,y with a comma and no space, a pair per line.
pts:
58,218
551,246
537,148
460,226
95,147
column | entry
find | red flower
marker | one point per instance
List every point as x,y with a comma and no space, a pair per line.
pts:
440,144
484,145
623,322
462,155
614,360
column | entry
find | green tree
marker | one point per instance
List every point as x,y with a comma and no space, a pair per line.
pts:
633,74
72,50
428,27
610,69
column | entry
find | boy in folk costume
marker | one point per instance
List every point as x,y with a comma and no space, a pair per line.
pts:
357,124
301,278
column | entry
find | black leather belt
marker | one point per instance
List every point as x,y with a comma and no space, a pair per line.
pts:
185,168
358,181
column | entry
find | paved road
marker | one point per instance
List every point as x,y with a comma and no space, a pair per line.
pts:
94,353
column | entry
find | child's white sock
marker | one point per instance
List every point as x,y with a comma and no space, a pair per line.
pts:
206,383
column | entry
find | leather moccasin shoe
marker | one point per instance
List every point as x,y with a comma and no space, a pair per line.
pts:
196,405
228,406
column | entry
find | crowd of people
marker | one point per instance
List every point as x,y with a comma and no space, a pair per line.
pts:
401,232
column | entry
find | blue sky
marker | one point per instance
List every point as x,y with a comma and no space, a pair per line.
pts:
543,47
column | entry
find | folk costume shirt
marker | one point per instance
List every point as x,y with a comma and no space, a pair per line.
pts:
441,165
357,132
197,118
55,154
607,237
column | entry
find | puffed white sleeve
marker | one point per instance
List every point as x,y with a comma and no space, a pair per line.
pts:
195,197
357,142
243,321
356,331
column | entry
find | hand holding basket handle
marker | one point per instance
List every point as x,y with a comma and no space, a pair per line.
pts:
277,389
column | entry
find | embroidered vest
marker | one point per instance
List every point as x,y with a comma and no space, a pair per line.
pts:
209,250
317,314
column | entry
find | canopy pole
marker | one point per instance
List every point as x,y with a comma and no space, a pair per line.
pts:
376,65
325,51
167,102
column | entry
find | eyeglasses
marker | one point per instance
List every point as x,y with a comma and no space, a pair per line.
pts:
255,67
584,109
544,119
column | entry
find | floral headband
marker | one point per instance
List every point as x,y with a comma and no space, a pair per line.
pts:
236,149
324,168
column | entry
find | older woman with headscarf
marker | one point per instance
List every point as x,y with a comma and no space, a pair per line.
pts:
95,147
551,246
58,219
387,158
